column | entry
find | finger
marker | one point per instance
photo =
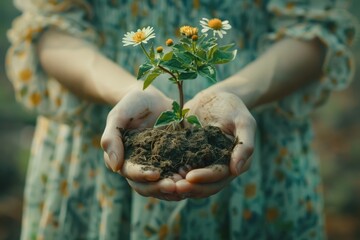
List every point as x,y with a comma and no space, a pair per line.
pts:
211,174
184,170
156,189
176,177
139,173
246,165
106,161
245,134
190,190
111,142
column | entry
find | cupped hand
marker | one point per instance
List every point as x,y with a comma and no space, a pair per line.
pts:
137,109
229,113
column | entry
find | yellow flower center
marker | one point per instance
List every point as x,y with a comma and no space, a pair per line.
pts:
139,37
215,24
188,31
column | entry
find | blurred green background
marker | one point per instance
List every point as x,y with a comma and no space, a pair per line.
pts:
337,127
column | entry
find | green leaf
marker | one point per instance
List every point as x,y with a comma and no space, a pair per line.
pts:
187,75
201,54
221,57
192,119
226,47
207,43
180,47
143,69
186,41
152,53
173,80
201,39
167,56
208,72
185,57
173,64
185,111
176,109
165,118
211,50
151,77
212,40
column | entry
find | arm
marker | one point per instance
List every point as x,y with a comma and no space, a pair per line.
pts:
80,67
287,66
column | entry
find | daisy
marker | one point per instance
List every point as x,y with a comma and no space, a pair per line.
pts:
140,36
216,25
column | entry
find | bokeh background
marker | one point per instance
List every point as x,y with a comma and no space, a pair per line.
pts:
337,128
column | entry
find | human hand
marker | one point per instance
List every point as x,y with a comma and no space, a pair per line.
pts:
137,109
229,113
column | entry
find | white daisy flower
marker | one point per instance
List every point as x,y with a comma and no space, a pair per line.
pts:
140,36
216,25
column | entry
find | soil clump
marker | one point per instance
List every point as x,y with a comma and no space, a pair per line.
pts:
171,150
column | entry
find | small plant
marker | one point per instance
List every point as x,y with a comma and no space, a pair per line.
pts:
191,56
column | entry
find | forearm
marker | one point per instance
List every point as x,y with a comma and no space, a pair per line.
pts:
284,68
81,68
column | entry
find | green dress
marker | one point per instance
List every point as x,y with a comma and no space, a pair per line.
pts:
70,194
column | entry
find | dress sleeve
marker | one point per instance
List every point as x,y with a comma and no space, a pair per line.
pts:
335,27
33,87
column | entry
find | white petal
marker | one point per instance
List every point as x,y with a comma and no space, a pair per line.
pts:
226,26
127,43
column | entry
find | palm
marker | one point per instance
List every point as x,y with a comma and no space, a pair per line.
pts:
227,112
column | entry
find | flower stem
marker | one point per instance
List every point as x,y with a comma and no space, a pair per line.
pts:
145,52
181,92
181,98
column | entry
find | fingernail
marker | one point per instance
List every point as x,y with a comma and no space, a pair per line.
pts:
239,165
113,162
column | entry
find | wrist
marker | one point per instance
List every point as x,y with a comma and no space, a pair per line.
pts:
248,91
109,81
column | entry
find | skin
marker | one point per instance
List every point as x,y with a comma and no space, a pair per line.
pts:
272,76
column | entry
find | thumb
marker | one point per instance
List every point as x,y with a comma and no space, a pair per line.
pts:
244,148
112,144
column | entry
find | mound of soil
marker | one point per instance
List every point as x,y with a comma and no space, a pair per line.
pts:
171,150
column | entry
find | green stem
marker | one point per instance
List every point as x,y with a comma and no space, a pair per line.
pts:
194,52
194,47
181,92
181,96
146,53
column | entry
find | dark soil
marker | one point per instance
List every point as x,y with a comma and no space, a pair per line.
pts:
171,150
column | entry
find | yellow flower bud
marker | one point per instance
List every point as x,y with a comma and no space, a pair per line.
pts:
169,42
188,31
159,49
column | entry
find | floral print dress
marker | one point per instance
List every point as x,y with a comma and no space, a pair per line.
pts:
70,194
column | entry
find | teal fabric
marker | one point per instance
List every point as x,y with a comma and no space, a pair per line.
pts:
69,192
